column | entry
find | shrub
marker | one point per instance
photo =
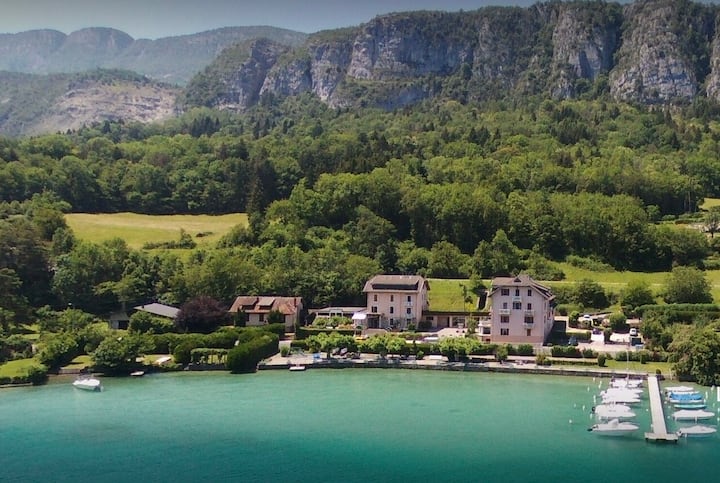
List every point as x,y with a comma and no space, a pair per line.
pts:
525,350
37,374
245,357
419,355
601,358
542,360
285,351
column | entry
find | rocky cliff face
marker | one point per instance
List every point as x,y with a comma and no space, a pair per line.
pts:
650,51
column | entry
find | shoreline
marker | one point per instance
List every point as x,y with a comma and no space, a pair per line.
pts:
513,367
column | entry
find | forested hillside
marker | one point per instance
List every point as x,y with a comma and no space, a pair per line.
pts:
333,196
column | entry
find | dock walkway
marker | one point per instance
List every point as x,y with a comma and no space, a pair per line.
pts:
659,428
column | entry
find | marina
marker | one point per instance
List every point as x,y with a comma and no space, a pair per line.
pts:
659,432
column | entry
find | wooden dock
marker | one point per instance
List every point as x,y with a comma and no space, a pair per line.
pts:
659,432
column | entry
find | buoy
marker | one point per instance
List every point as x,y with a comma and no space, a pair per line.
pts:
570,421
583,408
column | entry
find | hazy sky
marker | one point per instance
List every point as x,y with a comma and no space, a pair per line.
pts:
162,18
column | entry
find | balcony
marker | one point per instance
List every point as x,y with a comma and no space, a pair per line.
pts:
529,313
528,325
504,311
517,299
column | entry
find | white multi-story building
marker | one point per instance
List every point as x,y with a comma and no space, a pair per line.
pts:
395,301
522,310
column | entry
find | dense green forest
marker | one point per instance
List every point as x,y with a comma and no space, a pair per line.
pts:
444,189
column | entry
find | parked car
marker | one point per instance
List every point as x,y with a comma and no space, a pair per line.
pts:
633,332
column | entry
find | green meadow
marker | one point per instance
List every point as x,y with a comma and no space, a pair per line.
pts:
138,229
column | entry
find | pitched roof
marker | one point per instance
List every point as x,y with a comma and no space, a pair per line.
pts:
522,280
395,283
159,309
265,304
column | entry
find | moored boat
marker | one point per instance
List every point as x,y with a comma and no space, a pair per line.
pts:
692,415
614,427
690,405
677,389
685,397
88,384
297,368
697,431
613,411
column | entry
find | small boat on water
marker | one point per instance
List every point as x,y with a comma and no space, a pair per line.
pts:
678,389
88,384
297,368
692,415
137,373
685,397
697,431
626,382
614,427
614,391
613,411
690,405
621,398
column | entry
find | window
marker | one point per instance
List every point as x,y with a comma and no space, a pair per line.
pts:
375,298
529,292
504,331
529,306
504,319
409,298
392,310
392,298
528,332
517,305
373,309
505,305
261,317
504,291
408,311
517,292
529,319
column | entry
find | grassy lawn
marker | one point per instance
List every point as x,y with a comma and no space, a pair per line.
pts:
80,362
650,367
17,368
709,203
137,229
447,294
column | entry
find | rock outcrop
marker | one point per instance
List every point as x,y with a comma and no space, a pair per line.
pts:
651,51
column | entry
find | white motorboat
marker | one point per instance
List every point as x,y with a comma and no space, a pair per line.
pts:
626,383
614,427
621,399
692,415
88,384
613,411
678,389
697,431
297,368
137,373
624,391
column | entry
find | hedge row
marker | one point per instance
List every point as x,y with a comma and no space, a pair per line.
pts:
245,356
685,313
302,333
572,352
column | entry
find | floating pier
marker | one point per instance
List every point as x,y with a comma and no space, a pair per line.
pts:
659,432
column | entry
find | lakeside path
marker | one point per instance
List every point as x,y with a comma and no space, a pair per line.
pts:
515,365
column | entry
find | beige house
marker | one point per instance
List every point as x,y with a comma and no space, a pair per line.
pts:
394,301
257,308
522,310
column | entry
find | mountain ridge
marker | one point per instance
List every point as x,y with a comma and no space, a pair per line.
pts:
169,59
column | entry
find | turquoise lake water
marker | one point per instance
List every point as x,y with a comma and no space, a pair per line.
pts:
347,425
